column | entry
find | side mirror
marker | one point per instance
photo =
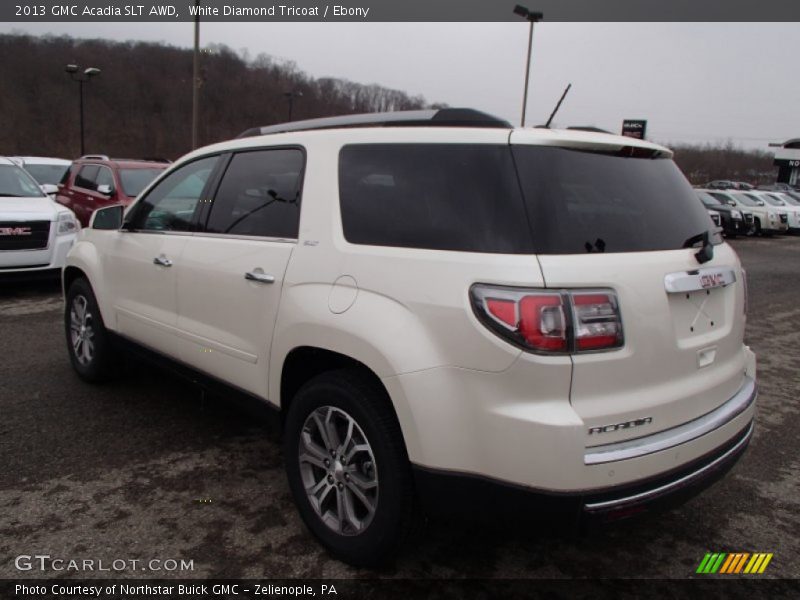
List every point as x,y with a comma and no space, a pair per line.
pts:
760,203
107,218
49,188
105,189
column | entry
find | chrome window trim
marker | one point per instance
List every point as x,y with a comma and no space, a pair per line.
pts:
255,238
675,436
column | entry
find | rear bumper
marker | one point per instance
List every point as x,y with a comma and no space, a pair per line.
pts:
461,496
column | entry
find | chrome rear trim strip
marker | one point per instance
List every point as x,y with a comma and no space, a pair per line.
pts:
672,485
663,440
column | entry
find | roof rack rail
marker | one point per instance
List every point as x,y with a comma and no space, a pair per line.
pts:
94,157
444,117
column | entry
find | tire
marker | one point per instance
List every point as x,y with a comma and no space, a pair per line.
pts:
90,349
757,227
378,475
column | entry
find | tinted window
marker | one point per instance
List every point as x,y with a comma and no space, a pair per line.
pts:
746,199
51,174
724,199
14,182
259,195
133,181
170,205
104,177
85,177
774,200
709,200
435,196
582,201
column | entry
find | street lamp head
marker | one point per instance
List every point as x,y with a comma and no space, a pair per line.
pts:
91,72
71,68
525,13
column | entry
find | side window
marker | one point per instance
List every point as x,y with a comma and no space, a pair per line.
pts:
86,177
461,197
104,177
259,195
170,205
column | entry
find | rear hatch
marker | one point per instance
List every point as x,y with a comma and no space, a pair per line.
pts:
620,216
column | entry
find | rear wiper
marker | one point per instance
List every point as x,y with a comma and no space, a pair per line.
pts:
706,252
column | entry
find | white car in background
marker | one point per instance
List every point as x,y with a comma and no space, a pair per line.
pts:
767,220
35,232
47,171
786,204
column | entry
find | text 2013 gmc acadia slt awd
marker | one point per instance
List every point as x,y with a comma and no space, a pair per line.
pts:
440,306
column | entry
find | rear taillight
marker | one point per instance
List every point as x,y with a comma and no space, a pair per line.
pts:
560,322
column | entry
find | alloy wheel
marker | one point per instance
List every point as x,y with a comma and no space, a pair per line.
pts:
338,469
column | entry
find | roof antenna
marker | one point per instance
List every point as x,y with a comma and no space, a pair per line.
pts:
555,110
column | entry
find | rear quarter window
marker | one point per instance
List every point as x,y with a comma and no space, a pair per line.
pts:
432,196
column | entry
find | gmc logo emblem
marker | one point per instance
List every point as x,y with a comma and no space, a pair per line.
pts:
618,426
15,231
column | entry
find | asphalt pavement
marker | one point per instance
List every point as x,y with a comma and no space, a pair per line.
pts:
145,468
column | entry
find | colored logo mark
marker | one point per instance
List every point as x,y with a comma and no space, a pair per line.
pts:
733,563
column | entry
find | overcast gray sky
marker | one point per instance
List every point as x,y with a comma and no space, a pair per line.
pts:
693,82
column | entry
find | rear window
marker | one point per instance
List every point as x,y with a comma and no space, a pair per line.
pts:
434,196
582,201
514,199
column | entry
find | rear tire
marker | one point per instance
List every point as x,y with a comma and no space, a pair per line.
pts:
90,349
348,469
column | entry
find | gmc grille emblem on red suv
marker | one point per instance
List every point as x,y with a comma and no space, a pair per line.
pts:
15,231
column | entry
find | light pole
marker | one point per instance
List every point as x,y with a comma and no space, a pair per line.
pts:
196,78
531,17
86,75
291,96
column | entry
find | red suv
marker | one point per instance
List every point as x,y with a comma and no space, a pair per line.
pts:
94,181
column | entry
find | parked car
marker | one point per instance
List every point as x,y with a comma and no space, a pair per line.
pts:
766,219
95,180
35,232
447,310
47,171
726,184
734,221
787,204
719,184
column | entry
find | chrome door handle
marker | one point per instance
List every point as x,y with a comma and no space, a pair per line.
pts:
259,276
162,261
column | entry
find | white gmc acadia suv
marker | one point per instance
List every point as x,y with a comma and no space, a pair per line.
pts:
440,307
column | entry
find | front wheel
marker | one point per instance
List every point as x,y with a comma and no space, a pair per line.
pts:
90,349
347,467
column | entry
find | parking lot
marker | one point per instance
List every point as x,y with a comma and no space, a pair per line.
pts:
145,468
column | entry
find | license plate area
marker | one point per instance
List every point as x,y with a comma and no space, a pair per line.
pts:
699,312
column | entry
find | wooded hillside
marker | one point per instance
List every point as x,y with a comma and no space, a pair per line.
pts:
704,163
141,103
